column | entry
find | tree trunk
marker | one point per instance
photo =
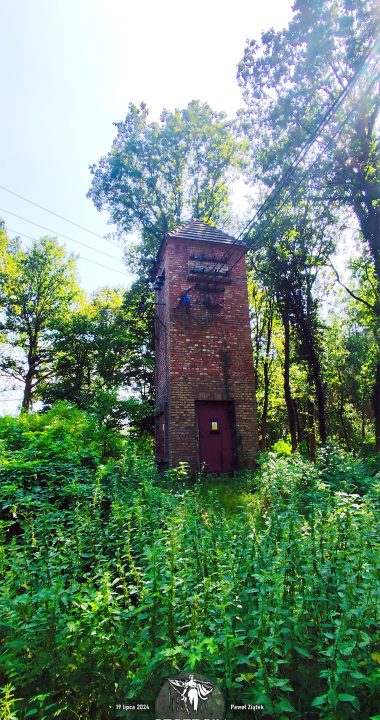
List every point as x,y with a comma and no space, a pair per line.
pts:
311,429
287,391
363,421
341,413
30,375
367,209
320,395
298,421
312,359
264,416
376,406
27,399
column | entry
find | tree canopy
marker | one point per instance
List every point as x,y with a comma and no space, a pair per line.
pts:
313,86
38,286
103,358
159,174
292,76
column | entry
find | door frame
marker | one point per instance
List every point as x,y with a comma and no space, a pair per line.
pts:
232,418
162,459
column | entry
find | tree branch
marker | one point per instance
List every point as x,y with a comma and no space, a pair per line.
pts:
350,292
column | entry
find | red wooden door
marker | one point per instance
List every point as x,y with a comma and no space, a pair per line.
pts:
215,437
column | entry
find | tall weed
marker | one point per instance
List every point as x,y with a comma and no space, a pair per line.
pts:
114,577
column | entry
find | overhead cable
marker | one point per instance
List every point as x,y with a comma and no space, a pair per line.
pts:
66,237
61,217
307,145
106,267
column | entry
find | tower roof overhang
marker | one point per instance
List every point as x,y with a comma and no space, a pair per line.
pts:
196,230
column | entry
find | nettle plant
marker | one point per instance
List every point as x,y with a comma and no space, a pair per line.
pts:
115,577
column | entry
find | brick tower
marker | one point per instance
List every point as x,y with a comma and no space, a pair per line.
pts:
205,396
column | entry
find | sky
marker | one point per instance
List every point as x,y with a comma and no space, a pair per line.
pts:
70,68
68,71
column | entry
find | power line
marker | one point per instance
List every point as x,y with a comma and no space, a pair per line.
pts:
61,217
81,257
307,171
307,145
89,247
279,207
310,140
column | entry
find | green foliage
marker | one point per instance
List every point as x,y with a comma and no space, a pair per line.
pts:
348,379
50,449
37,288
7,702
288,254
342,471
103,353
160,174
281,447
290,78
346,341
115,577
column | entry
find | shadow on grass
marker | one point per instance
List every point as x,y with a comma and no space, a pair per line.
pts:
232,493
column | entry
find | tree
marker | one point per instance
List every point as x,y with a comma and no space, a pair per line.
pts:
158,175
350,356
38,286
364,321
104,358
288,81
287,257
262,316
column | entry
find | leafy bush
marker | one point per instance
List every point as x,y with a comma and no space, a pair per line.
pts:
341,470
115,578
281,447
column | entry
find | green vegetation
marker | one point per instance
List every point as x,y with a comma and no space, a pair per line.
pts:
289,79
114,577
37,287
158,175
56,344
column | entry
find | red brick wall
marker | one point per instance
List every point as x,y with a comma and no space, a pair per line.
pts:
196,360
